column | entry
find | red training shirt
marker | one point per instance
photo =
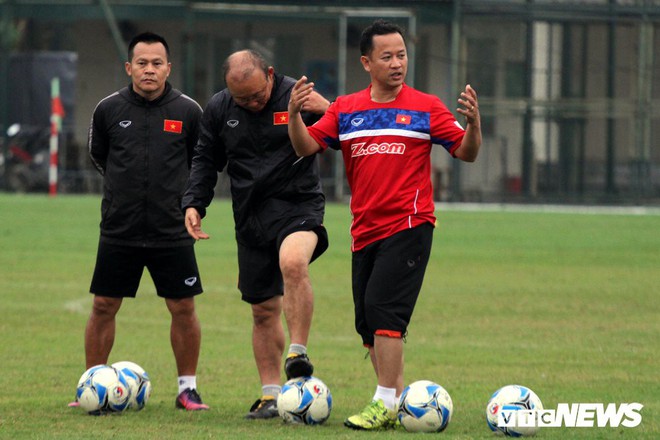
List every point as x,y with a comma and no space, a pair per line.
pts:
386,149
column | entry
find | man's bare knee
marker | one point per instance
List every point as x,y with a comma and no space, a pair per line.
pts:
265,313
294,269
295,254
181,308
105,307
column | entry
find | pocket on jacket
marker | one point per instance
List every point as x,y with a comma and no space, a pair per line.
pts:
106,207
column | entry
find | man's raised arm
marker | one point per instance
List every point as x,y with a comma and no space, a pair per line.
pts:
302,141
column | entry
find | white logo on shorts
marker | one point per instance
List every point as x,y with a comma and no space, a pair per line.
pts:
190,281
124,124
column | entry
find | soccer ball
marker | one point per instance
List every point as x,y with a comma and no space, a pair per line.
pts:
138,382
304,400
512,398
103,389
425,406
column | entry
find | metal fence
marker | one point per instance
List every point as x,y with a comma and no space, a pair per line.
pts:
569,90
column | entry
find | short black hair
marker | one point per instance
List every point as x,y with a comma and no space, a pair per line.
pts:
378,27
149,38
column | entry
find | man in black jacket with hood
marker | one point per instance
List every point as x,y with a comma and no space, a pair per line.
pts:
278,210
141,140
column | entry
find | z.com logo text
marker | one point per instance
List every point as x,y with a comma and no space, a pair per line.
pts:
362,149
576,415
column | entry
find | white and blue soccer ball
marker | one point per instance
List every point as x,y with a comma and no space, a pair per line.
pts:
304,400
138,383
425,406
510,399
103,389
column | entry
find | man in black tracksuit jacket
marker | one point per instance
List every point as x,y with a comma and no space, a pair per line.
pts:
141,140
278,210
145,165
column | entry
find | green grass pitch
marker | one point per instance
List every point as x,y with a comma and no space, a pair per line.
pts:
567,304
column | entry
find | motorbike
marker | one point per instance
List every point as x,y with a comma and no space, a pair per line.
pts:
27,161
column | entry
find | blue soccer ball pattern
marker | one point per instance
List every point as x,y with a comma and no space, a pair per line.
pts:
425,406
512,398
103,389
304,400
138,382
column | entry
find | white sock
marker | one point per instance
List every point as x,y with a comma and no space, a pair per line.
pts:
271,390
187,382
297,349
387,395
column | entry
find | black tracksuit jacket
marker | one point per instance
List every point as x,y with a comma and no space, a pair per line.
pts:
271,187
144,149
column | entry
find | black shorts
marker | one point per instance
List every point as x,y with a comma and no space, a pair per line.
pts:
119,269
387,278
259,275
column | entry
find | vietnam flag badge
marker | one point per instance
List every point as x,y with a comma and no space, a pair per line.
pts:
403,119
173,126
280,118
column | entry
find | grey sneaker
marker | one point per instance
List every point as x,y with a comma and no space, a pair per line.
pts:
264,408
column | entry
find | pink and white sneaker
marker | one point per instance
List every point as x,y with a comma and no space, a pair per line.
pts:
190,400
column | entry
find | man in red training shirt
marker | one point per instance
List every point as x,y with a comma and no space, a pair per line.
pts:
385,133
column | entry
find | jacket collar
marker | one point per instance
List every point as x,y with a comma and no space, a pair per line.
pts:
142,101
277,92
